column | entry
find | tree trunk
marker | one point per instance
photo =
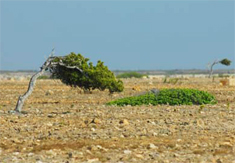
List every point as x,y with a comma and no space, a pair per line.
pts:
211,67
32,83
211,70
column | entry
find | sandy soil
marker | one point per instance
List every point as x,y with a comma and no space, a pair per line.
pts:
64,124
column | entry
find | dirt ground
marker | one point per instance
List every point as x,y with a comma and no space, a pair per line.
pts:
65,125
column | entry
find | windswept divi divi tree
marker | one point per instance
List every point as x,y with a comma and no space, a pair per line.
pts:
225,62
75,71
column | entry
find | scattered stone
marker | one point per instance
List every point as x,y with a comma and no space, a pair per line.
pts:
94,160
79,154
50,115
124,122
200,123
151,146
96,121
39,161
224,82
16,153
49,124
49,92
139,156
136,88
86,121
102,148
30,154
154,134
51,152
232,81
99,147
151,133
218,161
153,155
70,155
127,151
155,91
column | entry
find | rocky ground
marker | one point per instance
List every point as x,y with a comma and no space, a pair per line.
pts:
65,125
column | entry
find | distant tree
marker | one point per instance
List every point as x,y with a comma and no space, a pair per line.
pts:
75,71
225,62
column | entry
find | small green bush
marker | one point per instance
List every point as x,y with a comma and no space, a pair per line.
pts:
168,96
171,80
223,75
130,75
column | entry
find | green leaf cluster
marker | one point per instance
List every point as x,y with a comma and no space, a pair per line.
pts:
92,77
168,96
225,61
130,75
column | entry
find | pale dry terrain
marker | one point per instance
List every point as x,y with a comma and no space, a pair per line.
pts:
65,125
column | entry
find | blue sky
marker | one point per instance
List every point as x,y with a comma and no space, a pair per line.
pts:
125,35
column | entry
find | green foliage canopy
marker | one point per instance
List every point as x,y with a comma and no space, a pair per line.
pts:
92,77
225,61
168,96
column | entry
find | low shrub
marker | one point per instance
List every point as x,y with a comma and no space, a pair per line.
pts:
171,80
223,75
168,96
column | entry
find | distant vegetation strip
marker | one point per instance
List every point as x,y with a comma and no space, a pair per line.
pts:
177,71
130,75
